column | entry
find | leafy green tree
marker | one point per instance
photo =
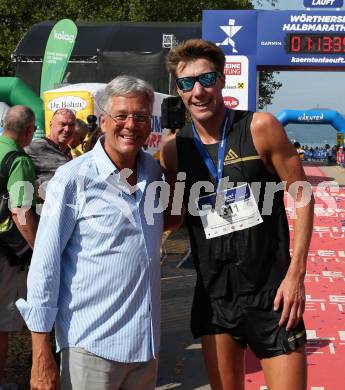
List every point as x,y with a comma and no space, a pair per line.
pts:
267,88
17,17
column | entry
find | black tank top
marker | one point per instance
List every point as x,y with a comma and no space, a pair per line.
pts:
246,261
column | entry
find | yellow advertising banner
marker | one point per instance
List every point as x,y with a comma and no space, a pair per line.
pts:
82,102
340,138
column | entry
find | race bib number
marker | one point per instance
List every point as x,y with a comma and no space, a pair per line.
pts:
228,211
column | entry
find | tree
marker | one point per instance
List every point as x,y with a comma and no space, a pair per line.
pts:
267,88
17,17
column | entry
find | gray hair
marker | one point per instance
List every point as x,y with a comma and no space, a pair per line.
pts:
123,85
18,118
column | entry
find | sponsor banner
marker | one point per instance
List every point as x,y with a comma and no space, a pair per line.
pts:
296,39
154,141
84,99
236,72
79,101
312,116
280,38
58,51
301,39
323,3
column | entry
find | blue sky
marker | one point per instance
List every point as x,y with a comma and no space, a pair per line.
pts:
304,90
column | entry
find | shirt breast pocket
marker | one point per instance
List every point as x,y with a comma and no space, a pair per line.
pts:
102,216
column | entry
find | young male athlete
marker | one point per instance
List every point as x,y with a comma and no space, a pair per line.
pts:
249,291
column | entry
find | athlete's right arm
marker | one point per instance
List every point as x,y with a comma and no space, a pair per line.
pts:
44,371
168,160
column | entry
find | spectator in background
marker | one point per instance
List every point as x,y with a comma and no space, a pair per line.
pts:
92,139
299,150
75,144
328,154
19,224
334,154
51,152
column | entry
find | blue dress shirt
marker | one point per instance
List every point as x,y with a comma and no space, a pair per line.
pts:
95,270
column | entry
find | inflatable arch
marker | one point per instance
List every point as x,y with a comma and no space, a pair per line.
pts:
14,91
330,117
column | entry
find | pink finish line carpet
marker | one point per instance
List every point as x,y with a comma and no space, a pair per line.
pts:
325,288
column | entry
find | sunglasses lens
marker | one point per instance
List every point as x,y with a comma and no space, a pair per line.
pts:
186,83
208,79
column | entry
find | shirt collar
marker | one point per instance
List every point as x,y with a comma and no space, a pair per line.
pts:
9,141
105,165
66,151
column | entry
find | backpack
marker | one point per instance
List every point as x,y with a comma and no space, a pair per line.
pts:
10,241
5,168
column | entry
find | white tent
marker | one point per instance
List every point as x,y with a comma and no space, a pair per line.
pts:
3,109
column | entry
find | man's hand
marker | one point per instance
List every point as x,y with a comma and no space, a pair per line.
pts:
44,372
291,291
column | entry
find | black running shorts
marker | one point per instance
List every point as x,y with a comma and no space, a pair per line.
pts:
250,320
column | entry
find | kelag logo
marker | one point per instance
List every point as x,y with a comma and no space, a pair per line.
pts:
62,36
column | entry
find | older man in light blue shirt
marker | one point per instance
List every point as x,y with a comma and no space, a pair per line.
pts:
95,271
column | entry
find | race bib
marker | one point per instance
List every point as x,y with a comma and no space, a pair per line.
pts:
228,211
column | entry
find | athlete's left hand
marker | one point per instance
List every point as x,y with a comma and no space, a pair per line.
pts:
291,293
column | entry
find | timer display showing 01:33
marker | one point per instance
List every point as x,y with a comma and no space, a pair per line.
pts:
315,43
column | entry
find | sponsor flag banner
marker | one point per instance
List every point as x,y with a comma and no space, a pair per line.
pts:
58,51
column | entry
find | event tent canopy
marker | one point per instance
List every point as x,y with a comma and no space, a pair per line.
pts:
105,50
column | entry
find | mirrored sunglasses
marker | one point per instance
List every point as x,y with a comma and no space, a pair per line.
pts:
186,84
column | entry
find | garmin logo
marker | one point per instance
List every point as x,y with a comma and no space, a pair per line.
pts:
310,118
74,103
62,36
271,43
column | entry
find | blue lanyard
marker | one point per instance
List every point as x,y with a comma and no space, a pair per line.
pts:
216,173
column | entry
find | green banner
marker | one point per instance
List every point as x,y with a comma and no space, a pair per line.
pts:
58,50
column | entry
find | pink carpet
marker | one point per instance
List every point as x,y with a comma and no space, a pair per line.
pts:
325,288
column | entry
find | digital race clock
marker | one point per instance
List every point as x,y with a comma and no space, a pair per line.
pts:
315,43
